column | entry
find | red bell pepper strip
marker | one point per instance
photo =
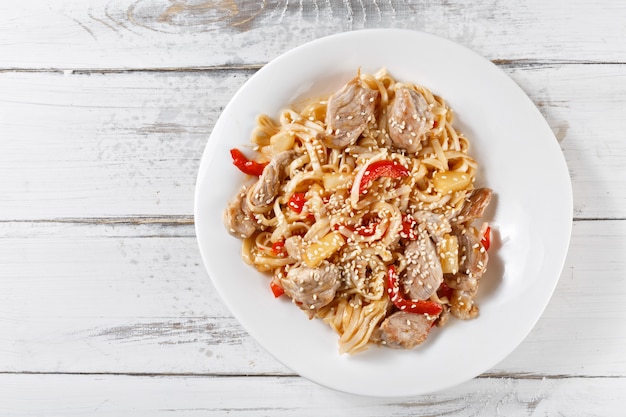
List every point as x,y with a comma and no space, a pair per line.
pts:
278,249
411,306
408,227
384,168
277,290
296,202
246,165
486,239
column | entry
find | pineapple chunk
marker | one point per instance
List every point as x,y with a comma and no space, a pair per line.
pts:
322,249
448,181
337,180
449,254
282,141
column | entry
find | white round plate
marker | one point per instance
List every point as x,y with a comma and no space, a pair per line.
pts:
531,214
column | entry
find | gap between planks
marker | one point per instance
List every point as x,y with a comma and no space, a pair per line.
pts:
179,220
167,220
487,375
83,71
506,63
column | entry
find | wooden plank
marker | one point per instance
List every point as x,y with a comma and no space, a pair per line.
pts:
576,101
105,145
115,297
135,299
129,144
73,34
120,395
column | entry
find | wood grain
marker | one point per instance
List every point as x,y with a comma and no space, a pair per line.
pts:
105,108
123,395
135,299
100,34
91,145
106,145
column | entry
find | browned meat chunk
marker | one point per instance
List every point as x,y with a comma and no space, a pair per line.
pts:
462,305
473,260
294,245
238,219
312,288
409,119
404,330
267,187
472,256
436,224
475,205
348,113
423,273
461,281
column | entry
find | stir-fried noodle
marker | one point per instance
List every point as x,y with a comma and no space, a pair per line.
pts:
364,210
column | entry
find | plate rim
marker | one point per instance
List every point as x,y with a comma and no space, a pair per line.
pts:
344,36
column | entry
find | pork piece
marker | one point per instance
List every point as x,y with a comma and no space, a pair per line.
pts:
461,281
265,190
423,273
404,330
312,288
462,305
348,112
436,224
475,205
238,218
294,245
355,272
409,119
472,262
472,256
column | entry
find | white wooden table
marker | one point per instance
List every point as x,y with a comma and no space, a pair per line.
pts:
105,109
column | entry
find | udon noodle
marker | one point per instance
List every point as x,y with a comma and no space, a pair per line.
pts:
364,211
